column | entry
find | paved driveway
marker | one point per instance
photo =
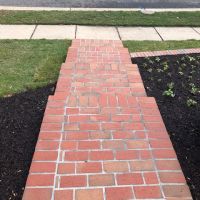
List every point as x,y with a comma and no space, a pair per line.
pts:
105,3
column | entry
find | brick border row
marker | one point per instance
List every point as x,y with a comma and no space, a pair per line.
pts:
164,53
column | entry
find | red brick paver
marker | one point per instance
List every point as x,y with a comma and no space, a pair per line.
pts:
101,137
165,52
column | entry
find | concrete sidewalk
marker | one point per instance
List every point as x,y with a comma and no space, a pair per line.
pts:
98,9
98,32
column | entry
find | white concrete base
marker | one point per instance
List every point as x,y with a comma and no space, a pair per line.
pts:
54,32
178,33
97,32
16,31
99,9
33,8
138,33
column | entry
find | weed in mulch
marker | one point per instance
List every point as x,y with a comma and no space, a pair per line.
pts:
20,119
175,83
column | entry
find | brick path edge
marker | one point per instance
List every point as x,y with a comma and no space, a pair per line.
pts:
101,137
164,53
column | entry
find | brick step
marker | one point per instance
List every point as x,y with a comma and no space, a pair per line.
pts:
104,54
108,67
95,50
98,43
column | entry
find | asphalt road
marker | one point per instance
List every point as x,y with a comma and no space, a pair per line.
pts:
105,3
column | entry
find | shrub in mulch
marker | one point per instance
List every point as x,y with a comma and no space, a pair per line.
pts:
175,83
20,120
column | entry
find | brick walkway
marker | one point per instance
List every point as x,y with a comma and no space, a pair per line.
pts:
101,137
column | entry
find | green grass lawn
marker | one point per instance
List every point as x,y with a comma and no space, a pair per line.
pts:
104,18
135,46
28,64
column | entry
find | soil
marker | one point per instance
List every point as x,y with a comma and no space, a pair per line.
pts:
179,106
20,119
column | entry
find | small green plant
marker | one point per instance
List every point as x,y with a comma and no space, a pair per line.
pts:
169,92
144,65
150,70
194,90
181,73
165,66
191,103
198,57
190,58
157,59
183,59
170,85
183,65
151,62
179,68
169,74
190,77
159,70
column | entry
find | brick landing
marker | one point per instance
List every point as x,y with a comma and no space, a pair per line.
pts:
101,137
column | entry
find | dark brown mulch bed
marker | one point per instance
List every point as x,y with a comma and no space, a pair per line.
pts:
175,83
20,119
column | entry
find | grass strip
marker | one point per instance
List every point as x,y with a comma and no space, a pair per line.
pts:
136,46
28,64
103,18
